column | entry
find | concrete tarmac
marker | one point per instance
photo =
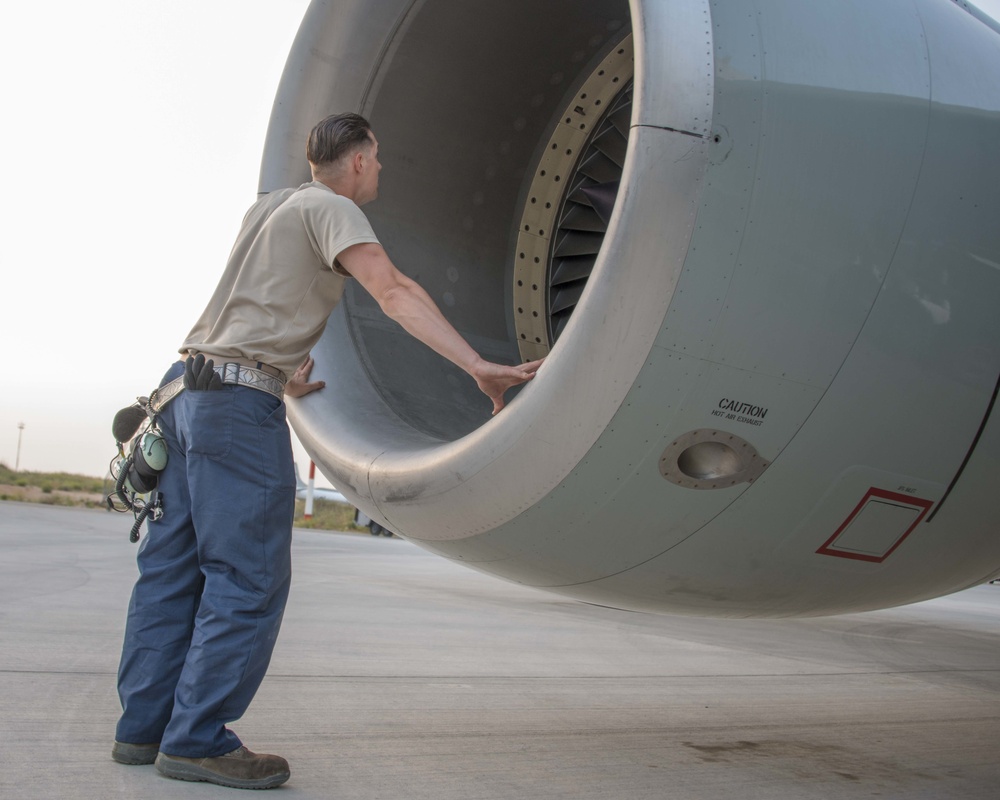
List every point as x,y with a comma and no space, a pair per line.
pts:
399,675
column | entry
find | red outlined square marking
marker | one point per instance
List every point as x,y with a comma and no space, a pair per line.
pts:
896,514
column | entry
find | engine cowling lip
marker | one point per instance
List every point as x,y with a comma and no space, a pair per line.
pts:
434,490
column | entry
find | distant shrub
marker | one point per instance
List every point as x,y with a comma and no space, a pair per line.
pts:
56,500
65,481
327,516
49,483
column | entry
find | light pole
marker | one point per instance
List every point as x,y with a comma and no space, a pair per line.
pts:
17,463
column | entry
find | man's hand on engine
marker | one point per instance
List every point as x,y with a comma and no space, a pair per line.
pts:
299,385
495,379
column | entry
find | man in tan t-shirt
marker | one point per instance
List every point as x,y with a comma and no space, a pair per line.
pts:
215,568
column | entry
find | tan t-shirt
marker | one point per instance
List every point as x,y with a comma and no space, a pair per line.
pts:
282,279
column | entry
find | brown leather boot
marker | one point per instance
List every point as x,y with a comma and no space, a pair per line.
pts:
239,769
126,753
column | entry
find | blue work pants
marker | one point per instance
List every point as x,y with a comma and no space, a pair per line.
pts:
214,572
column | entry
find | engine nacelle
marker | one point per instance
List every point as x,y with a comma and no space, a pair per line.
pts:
757,242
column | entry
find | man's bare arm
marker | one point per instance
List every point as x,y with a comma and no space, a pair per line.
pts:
406,302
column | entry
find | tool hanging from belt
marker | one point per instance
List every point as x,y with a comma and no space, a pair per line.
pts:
137,472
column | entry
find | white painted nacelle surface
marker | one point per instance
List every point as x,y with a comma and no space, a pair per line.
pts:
757,241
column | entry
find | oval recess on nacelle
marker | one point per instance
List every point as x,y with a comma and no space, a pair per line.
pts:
784,245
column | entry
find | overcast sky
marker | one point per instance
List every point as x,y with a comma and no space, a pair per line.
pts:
131,149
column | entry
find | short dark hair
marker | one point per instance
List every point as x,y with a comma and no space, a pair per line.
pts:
336,135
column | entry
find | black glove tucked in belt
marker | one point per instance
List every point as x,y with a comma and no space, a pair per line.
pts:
200,375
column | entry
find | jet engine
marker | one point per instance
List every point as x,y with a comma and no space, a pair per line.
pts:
757,243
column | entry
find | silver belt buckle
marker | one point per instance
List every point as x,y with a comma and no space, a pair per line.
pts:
237,375
231,372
